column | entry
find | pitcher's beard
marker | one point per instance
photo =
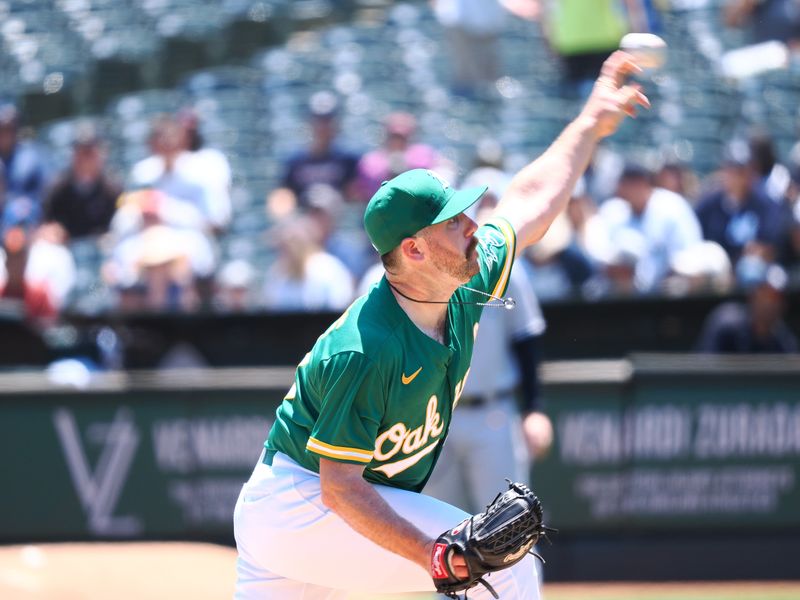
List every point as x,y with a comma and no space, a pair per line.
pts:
461,267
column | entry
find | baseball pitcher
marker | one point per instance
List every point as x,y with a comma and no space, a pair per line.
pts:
334,504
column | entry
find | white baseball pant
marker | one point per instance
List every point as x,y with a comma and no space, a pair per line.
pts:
292,547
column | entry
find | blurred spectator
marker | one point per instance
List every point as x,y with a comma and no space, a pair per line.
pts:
793,160
346,241
164,270
765,19
680,179
304,276
34,299
50,263
664,221
322,163
234,282
26,173
398,154
131,206
3,194
645,15
558,266
617,267
755,327
590,230
560,263
738,216
703,267
772,178
584,33
158,266
84,198
207,166
790,208
472,30
163,170
603,173
488,168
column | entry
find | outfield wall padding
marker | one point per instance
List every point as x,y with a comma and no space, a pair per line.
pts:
650,452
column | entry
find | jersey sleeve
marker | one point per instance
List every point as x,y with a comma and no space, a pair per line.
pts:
352,404
497,246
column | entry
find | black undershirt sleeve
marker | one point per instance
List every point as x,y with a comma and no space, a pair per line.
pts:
528,354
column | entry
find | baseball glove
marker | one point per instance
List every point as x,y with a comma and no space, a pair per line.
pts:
490,541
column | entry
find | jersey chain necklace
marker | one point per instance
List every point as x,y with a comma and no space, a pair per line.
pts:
507,303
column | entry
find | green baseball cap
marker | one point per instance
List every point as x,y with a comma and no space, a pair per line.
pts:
412,201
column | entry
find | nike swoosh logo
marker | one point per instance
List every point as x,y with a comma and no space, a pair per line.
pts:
392,469
410,378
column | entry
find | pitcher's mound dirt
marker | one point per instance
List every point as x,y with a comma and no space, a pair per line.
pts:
122,571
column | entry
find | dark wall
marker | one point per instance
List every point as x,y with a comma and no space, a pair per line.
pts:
607,329
612,329
679,469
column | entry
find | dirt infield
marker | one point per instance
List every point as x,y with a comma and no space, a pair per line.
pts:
155,571
122,571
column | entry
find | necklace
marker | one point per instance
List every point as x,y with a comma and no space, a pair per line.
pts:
494,302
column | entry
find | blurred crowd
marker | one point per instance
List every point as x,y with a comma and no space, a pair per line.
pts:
632,227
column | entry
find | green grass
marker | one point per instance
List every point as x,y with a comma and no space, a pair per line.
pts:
787,590
786,595
683,591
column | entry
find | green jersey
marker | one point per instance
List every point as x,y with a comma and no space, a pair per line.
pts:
375,390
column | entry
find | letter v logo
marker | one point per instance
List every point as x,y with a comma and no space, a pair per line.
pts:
99,490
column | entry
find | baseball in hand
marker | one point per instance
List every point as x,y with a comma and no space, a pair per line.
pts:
648,50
